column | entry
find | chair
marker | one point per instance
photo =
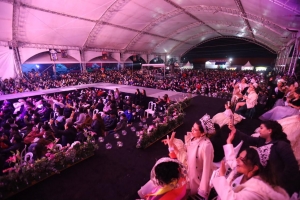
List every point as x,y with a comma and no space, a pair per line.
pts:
53,114
95,111
30,156
151,108
58,146
120,112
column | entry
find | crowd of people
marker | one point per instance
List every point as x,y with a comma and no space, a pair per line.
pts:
273,164
38,121
207,82
266,168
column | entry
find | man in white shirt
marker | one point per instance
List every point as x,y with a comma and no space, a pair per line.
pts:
251,100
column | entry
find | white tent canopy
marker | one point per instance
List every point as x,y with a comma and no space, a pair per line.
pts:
156,27
247,66
188,65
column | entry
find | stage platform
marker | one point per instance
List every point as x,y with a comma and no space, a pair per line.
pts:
151,92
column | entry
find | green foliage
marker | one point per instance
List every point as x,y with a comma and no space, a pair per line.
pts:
168,126
23,174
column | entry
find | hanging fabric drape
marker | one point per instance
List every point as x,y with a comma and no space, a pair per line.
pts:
7,64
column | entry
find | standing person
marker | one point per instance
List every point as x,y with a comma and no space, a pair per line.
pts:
143,99
137,97
281,156
117,94
199,156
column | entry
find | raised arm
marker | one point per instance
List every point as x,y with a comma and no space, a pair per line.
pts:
240,136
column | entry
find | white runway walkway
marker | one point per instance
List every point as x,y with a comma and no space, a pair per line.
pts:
123,88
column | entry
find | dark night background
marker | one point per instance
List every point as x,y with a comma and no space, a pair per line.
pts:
240,51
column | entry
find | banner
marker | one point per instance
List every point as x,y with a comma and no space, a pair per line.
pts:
67,68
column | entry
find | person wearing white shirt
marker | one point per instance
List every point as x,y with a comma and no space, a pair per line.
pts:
255,181
251,100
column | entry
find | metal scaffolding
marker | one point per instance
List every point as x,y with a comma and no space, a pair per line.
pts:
282,59
294,58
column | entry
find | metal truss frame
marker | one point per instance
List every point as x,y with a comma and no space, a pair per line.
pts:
235,37
109,13
20,35
281,60
283,5
208,32
294,58
244,14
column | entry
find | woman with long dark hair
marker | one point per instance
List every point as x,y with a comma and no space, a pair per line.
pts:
137,97
117,94
291,126
143,99
251,177
281,155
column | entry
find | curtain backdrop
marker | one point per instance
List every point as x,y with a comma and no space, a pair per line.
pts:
7,64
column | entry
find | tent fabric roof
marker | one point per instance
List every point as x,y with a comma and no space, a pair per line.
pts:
146,26
248,64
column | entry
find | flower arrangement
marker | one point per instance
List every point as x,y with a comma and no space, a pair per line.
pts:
149,136
174,118
179,106
23,174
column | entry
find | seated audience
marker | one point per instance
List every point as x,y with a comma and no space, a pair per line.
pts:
224,118
250,100
97,125
280,112
122,124
67,135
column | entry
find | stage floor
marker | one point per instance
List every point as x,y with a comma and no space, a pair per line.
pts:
151,92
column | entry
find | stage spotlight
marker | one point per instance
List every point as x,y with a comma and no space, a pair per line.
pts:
37,66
